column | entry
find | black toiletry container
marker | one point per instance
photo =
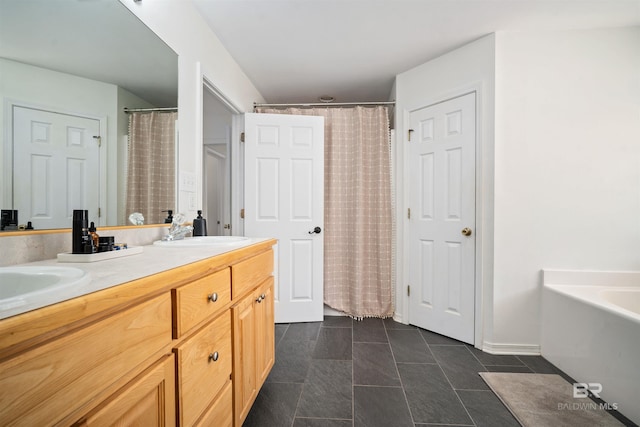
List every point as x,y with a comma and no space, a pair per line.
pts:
80,231
105,243
199,225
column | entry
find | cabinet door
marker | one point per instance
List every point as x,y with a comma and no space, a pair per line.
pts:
265,332
244,357
149,400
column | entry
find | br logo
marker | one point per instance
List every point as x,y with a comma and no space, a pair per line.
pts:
581,390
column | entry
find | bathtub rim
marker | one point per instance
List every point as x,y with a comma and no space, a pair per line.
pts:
585,286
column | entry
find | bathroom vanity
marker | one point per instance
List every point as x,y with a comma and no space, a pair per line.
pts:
190,343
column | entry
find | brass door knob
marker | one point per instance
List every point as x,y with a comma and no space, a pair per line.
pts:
466,231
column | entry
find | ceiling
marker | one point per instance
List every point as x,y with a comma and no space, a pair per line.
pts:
96,39
299,50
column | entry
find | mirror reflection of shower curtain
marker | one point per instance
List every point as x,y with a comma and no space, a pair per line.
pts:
151,166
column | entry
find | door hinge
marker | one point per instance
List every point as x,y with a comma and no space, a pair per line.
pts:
242,213
241,136
98,139
409,134
99,212
409,213
408,290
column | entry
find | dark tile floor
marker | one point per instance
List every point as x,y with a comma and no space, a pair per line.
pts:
341,372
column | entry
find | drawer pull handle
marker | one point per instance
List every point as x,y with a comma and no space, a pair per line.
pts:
259,299
263,296
213,297
213,357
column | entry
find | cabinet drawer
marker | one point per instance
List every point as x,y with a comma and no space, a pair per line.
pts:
44,385
220,414
204,367
200,300
248,274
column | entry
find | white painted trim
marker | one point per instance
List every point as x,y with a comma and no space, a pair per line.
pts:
514,349
403,314
328,311
237,175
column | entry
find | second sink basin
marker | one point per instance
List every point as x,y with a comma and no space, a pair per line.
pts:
203,241
29,285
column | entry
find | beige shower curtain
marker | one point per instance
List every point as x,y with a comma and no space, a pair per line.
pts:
151,166
358,209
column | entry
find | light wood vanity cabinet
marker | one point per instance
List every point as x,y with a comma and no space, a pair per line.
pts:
253,332
52,382
162,350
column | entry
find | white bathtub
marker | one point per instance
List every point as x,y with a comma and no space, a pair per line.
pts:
591,330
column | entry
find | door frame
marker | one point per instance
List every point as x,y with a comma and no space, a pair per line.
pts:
236,151
6,192
402,311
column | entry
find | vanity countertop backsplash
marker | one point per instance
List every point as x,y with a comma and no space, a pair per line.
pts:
25,247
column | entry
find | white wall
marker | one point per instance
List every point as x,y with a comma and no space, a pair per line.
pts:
470,67
567,164
200,53
564,154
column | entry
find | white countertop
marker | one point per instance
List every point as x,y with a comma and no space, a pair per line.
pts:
113,272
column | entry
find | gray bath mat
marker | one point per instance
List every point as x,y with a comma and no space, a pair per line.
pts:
537,400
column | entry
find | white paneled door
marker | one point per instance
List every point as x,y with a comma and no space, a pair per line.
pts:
56,165
441,210
284,198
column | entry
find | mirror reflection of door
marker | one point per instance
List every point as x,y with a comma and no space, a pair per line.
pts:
54,155
217,125
215,177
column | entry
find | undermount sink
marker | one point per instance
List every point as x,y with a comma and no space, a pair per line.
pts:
29,285
203,241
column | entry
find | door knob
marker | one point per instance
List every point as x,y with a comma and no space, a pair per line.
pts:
466,231
316,230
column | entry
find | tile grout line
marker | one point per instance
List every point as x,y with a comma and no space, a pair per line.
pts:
395,364
452,387
353,380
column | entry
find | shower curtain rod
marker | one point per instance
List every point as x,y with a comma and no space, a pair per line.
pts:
136,110
325,104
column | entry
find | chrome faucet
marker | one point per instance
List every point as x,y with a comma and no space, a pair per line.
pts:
178,230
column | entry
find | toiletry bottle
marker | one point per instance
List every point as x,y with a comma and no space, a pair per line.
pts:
80,231
94,235
199,225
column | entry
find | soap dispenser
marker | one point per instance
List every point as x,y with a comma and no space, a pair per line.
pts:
169,218
199,225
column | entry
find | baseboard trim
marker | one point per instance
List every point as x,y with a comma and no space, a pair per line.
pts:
514,349
328,311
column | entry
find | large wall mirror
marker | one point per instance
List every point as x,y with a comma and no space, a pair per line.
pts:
68,71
